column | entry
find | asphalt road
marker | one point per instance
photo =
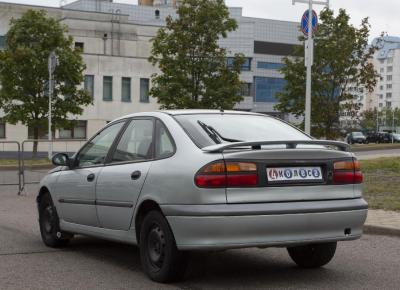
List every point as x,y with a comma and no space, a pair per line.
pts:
364,155
25,263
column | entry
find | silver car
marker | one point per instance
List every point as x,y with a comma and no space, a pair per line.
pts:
176,181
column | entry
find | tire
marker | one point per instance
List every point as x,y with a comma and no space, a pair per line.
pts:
50,225
161,260
312,256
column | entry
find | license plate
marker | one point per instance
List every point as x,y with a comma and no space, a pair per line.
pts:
282,174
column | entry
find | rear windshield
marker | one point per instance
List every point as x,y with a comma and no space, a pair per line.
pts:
211,129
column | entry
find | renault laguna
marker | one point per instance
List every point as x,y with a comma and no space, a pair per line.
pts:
178,181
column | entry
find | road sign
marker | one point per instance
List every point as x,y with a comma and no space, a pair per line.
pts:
304,22
52,62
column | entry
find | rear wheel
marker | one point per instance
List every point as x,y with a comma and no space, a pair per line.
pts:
161,260
49,224
313,256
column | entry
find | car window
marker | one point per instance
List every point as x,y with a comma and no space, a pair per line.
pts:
96,150
164,144
210,129
136,143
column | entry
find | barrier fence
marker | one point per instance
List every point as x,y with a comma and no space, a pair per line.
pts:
10,164
35,165
21,165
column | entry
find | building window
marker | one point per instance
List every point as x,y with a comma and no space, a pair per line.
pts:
389,77
390,60
380,96
144,90
388,104
107,88
389,86
246,66
79,45
2,41
382,69
388,95
42,133
126,90
245,89
77,131
380,105
266,88
269,65
2,129
89,85
389,69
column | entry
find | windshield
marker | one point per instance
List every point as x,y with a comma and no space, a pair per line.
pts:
358,134
211,129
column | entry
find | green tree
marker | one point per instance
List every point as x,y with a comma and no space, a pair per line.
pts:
194,68
24,73
368,119
342,58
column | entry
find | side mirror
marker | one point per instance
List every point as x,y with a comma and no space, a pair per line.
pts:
61,159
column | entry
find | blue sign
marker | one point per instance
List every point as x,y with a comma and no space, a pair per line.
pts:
304,22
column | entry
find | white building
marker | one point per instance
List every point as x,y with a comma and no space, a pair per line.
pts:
116,44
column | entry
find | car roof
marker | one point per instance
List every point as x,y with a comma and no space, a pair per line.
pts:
186,112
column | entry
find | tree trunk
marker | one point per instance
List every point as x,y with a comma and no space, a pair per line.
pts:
35,143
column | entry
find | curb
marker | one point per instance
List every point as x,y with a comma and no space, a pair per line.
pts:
380,230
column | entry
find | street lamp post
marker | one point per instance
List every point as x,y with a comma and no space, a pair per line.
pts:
309,59
52,63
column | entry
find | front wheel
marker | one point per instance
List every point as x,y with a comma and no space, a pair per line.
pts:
313,256
161,259
50,225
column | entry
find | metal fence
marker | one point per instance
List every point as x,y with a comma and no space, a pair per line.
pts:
35,165
21,165
11,164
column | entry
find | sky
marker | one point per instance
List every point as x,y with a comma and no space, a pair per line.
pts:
383,14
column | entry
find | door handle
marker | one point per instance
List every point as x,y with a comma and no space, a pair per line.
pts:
136,175
90,177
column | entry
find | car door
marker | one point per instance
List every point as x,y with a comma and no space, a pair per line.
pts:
75,188
121,180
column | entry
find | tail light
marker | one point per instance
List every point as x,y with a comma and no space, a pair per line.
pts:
227,174
347,172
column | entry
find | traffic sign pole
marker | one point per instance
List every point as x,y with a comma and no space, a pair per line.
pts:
309,55
52,63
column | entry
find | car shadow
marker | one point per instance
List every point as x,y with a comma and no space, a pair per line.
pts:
251,268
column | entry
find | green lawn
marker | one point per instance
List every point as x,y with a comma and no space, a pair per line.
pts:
28,162
374,146
382,183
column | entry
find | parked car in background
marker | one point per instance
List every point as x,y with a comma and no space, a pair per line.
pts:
379,137
178,181
356,137
395,137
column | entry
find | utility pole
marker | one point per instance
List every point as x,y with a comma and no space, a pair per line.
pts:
309,59
52,63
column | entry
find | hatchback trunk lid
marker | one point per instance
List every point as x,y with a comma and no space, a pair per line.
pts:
290,175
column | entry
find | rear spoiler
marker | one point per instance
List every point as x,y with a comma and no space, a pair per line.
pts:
219,148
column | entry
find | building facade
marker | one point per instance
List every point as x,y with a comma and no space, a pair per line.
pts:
116,43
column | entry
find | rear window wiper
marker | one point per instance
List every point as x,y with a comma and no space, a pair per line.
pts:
215,135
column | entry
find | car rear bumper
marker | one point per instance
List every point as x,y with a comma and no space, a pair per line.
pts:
211,227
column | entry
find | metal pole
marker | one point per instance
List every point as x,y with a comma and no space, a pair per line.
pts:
49,132
307,112
309,60
392,126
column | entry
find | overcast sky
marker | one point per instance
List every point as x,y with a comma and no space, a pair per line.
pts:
383,14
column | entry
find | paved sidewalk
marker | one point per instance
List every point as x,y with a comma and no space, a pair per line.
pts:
383,222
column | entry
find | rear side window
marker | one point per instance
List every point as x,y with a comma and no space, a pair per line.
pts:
164,143
211,129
